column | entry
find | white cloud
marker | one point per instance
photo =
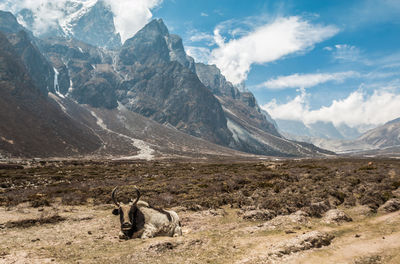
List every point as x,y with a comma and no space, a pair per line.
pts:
129,15
204,14
46,13
265,44
358,109
306,80
201,36
345,52
200,54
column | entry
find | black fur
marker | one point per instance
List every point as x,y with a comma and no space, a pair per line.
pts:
137,219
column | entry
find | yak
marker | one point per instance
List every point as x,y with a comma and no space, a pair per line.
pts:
140,220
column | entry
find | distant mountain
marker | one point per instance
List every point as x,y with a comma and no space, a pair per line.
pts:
319,130
8,23
384,136
88,21
383,140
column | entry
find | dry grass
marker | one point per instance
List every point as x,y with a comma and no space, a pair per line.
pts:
60,211
281,187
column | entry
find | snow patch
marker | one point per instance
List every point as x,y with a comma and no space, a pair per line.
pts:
145,151
70,89
237,131
229,111
58,101
74,12
56,86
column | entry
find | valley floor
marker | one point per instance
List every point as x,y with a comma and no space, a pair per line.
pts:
60,212
89,234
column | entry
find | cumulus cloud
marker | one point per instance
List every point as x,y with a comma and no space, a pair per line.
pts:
357,109
306,80
129,15
46,13
265,44
200,54
202,37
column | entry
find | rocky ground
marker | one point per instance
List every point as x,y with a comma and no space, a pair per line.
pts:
60,212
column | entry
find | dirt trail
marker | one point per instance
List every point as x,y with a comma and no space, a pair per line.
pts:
88,234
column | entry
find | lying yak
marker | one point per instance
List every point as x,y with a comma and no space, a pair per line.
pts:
139,220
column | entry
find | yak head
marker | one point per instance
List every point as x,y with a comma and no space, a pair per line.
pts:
129,215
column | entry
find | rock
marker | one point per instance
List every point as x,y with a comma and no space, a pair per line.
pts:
164,246
391,205
97,28
258,214
396,193
196,207
217,212
297,218
335,216
314,239
317,209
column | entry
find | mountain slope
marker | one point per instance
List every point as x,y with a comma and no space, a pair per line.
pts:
31,125
384,136
252,128
159,86
108,97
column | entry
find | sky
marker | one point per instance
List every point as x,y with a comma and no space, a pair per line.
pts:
307,60
333,61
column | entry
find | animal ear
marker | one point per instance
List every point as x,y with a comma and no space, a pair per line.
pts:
115,211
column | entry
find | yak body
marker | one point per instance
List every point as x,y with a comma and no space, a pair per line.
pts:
139,220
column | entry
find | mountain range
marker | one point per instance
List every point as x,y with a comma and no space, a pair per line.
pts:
77,90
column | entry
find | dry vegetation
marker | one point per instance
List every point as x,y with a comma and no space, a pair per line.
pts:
58,211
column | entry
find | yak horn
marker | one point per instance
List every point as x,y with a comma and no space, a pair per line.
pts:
113,196
137,194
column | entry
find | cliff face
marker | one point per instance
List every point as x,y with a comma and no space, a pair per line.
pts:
96,27
161,84
31,125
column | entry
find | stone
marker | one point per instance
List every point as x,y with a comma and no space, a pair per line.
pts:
335,216
391,205
310,240
258,214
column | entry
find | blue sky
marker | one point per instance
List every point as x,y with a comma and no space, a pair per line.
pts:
308,60
335,61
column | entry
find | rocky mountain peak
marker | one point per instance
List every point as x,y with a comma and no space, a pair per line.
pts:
153,44
96,27
91,22
213,79
394,121
8,23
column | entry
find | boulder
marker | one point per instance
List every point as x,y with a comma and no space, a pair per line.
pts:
317,209
310,240
391,205
258,214
297,218
336,216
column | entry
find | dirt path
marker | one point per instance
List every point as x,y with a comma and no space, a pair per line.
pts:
88,234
